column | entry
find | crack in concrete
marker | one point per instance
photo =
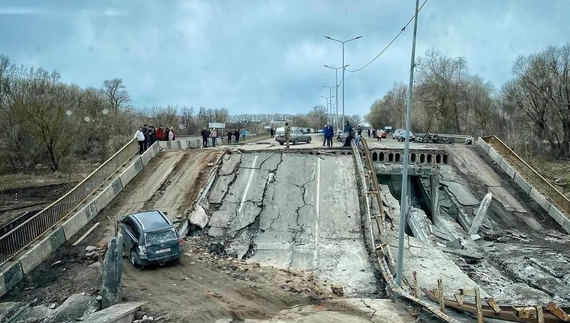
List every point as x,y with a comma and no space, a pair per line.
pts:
254,227
370,307
233,180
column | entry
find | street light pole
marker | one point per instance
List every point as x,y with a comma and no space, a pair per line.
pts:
335,123
404,195
331,96
343,68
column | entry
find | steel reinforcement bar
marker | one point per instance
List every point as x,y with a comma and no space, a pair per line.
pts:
532,175
34,228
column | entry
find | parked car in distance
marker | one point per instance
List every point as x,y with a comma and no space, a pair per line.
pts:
150,238
297,136
400,135
279,131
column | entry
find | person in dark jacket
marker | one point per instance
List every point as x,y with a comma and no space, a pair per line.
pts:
152,135
146,137
205,135
236,135
348,133
230,134
328,133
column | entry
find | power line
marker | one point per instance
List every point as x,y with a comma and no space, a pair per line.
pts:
393,40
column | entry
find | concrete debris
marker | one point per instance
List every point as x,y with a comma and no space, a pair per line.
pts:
337,290
90,248
52,306
461,193
123,312
95,265
112,272
199,217
481,212
73,308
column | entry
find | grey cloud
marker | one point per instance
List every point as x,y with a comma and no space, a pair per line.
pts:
264,56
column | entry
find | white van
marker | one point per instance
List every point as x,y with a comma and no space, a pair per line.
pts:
279,131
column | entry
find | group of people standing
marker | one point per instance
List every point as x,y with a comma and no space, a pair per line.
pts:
349,132
212,134
375,133
148,135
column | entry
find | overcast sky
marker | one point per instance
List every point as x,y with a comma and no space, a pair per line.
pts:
267,56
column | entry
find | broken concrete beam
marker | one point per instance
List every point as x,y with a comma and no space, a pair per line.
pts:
112,272
73,308
481,212
124,312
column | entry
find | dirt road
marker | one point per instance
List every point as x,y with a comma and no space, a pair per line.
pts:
200,288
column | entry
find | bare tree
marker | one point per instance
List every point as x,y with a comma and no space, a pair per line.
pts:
116,93
540,91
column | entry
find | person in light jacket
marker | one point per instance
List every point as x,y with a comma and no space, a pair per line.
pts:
139,136
214,135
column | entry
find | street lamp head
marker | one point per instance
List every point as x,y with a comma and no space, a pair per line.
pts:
358,37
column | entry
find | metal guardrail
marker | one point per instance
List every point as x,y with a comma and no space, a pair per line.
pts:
33,228
530,173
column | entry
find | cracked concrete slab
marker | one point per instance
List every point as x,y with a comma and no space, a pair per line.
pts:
307,211
461,193
220,188
229,164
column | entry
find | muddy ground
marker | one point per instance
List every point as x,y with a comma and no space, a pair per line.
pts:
202,288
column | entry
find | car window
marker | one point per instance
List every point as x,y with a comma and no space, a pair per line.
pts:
160,236
129,224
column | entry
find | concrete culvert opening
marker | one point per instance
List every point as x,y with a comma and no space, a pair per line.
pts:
422,158
381,157
374,156
438,159
413,158
397,158
418,194
390,157
445,159
429,159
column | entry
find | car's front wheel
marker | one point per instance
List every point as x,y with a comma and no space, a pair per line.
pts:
310,140
295,142
281,143
134,260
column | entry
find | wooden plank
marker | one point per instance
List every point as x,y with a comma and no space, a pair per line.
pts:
458,299
539,314
479,306
467,292
415,276
440,290
491,302
557,311
85,234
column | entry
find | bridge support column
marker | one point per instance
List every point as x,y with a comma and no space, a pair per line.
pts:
434,190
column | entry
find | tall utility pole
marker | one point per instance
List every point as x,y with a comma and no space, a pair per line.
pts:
330,96
404,195
335,123
343,68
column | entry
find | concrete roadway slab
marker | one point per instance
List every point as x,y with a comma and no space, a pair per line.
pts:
174,199
310,218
